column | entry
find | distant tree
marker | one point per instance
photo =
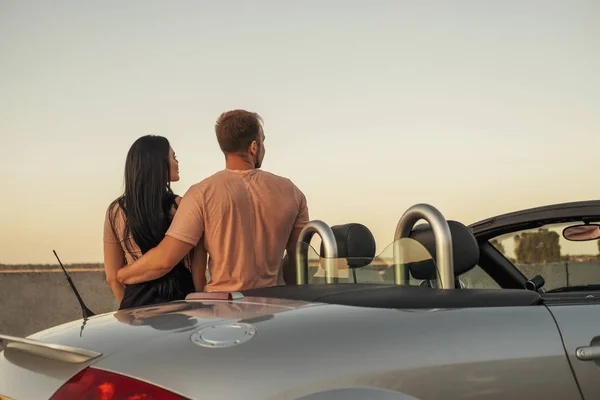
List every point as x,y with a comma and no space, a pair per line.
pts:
538,247
498,246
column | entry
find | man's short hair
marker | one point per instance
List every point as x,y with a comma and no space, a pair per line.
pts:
236,129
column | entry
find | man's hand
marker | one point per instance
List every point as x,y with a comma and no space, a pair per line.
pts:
155,263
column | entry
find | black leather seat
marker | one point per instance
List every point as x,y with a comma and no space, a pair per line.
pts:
464,248
355,243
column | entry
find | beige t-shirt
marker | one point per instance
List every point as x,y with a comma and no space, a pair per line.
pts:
245,220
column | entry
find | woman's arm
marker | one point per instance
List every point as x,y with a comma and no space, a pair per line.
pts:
113,260
198,267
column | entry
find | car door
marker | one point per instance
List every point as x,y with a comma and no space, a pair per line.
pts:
532,241
578,320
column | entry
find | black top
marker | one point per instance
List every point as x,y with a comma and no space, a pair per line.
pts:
175,285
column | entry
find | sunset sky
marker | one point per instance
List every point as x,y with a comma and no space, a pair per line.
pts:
477,108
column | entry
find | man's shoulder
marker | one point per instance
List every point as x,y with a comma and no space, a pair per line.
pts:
216,180
216,177
277,178
282,181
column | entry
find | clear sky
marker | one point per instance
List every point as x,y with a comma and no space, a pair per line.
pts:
476,107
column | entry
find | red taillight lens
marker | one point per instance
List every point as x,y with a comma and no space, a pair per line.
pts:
95,384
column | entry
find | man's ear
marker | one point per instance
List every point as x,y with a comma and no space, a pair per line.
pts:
253,147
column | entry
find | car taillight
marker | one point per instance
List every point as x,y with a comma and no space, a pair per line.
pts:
95,384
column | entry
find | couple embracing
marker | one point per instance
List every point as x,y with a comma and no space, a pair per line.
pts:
236,223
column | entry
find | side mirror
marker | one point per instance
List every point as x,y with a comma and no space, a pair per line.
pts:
581,233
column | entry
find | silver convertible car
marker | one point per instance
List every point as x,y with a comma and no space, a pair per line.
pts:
506,308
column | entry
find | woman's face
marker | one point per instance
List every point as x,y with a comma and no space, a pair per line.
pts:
173,166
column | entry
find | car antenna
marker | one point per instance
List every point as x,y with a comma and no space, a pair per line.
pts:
86,311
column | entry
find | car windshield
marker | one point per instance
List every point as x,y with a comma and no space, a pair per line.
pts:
404,261
544,251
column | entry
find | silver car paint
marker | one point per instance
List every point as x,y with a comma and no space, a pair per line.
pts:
580,327
23,376
301,349
357,394
110,333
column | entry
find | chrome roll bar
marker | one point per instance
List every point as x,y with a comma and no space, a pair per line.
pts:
329,245
443,243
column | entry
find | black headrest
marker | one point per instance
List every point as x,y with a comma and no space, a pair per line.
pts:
464,248
355,242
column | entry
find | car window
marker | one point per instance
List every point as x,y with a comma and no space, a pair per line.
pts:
544,251
477,278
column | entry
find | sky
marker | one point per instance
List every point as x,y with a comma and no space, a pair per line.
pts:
477,108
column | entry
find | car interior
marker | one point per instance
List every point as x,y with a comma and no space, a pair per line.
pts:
356,243
507,275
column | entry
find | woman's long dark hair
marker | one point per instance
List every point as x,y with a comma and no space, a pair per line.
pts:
148,199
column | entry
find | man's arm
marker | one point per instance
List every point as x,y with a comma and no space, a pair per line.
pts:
155,263
184,233
289,265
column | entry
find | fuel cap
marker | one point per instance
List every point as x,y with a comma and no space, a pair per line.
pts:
223,335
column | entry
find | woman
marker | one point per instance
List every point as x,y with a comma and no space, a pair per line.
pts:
137,221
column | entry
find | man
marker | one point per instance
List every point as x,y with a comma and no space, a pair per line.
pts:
243,217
